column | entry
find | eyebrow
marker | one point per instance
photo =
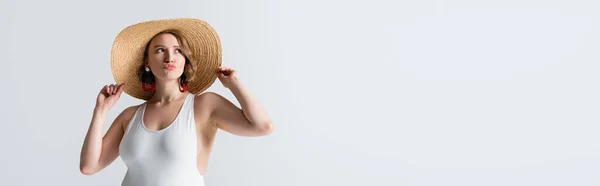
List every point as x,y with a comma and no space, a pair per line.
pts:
176,46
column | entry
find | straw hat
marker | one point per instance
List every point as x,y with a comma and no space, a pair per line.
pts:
128,49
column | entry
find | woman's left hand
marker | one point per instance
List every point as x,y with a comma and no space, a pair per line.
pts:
227,76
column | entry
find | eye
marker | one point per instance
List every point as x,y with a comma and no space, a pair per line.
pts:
178,51
160,50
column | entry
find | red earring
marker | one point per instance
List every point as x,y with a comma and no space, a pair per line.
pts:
151,89
185,87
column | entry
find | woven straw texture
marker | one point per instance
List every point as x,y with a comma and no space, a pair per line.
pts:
128,50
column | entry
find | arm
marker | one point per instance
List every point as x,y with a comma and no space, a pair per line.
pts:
92,158
98,152
250,120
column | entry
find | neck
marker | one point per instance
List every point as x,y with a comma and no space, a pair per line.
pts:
167,91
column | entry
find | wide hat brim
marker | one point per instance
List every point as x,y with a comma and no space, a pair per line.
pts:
128,50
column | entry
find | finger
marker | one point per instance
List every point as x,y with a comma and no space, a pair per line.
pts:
121,87
120,90
115,89
103,90
225,72
224,68
110,89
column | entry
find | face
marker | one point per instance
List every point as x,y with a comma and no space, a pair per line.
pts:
165,58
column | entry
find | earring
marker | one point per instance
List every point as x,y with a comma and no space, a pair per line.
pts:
184,87
147,69
151,89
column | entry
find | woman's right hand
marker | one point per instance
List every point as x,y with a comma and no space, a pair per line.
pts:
108,96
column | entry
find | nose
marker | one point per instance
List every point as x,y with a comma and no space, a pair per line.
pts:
168,57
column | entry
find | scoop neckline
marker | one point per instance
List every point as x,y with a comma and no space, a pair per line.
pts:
172,122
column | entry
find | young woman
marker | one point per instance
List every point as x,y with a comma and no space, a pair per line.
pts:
167,139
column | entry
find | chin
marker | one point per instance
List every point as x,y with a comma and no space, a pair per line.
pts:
171,75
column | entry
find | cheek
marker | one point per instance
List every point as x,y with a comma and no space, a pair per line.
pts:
180,59
155,59
155,64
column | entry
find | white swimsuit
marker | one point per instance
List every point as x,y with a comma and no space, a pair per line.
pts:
166,157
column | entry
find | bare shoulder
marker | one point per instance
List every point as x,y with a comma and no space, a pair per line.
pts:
204,105
130,110
209,96
126,115
207,100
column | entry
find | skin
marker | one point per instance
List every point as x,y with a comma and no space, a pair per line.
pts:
211,111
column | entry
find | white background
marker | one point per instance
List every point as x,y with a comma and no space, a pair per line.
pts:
416,93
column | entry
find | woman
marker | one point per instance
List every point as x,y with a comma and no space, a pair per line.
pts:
167,139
